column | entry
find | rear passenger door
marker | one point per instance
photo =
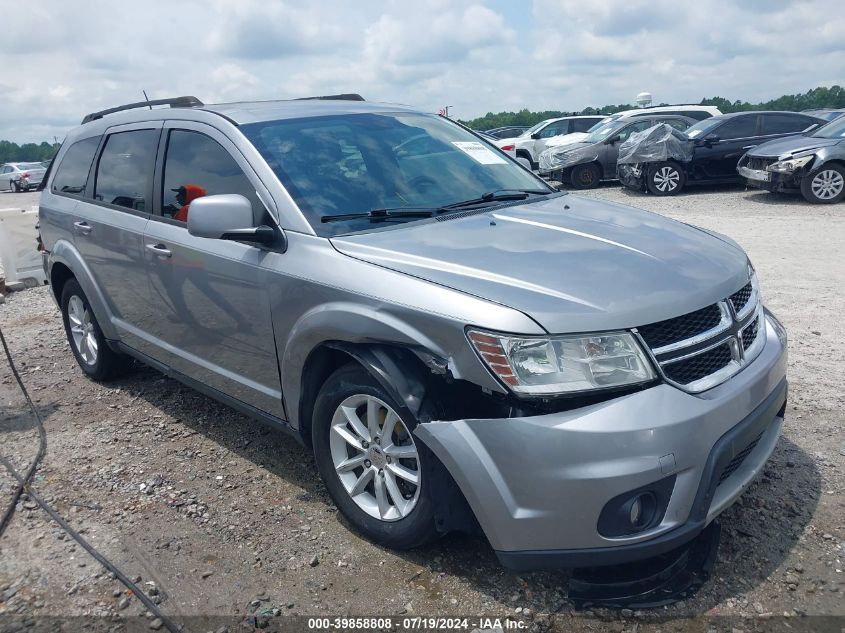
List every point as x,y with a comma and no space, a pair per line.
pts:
109,219
718,160
211,312
776,125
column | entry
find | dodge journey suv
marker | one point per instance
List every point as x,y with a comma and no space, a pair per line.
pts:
461,346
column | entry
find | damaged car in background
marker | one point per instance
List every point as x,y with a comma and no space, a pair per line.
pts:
813,164
584,165
458,344
715,146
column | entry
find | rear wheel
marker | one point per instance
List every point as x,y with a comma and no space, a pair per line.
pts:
665,179
825,186
86,338
13,186
585,176
373,468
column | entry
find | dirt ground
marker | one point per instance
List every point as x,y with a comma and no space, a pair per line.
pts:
226,517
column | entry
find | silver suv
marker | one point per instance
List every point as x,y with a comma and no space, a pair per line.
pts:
460,345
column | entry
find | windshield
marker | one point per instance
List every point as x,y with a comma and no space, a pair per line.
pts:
834,129
357,163
604,131
702,127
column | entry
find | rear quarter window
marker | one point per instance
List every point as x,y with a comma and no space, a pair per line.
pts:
72,173
785,123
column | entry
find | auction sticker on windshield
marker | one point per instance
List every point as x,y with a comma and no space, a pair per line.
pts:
479,153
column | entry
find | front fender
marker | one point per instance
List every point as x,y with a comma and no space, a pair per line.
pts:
64,252
341,323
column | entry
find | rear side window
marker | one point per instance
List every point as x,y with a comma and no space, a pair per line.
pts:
738,127
125,169
196,166
72,174
582,125
785,123
678,124
553,129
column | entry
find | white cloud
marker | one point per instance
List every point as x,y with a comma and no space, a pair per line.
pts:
474,55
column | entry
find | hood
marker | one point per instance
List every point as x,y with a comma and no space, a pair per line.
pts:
792,145
567,155
572,264
566,139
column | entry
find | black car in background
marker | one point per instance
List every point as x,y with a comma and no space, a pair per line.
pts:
717,145
813,164
510,131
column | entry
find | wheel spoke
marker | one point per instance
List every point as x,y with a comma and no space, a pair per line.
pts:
352,417
373,411
401,452
381,495
92,345
405,473
351,463
362,482
395,494
348,436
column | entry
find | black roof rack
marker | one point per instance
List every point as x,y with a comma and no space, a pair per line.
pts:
173,102
342,97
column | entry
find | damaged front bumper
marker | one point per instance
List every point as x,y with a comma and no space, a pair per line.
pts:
771,180
538,485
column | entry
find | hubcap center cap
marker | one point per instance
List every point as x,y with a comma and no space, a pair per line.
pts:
376,456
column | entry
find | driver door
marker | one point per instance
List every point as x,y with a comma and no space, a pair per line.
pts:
211,311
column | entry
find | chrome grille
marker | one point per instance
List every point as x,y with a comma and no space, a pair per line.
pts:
701,349
740,298
681,328
696,367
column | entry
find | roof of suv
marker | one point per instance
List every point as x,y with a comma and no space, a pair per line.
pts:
256,111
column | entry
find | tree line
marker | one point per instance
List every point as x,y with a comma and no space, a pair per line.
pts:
822,97
27,153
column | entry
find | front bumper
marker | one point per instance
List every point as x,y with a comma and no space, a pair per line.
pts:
771,180
538,485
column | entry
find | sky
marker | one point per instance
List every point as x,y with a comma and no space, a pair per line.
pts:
60,60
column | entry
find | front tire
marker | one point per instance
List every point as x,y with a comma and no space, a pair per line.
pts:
585,176
665,179
825,186
86,339
375,471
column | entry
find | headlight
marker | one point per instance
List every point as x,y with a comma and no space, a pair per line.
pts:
563,364
790,165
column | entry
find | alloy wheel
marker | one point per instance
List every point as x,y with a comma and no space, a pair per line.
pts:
827,184
666,179
375,457
82,330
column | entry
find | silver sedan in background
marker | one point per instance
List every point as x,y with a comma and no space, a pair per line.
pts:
21,176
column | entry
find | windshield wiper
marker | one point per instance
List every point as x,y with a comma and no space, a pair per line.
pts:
381,214
500,195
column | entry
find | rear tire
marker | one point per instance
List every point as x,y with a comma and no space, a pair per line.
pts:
825,186
86,339
585,176
13,186
359,460
666,178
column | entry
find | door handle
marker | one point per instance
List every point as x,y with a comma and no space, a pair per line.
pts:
159,249
82,227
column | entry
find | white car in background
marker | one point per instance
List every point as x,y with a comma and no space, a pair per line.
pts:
21,176
508,149
698,112
528,145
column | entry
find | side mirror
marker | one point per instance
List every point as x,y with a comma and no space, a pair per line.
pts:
613,139
226,217
711,139
535,136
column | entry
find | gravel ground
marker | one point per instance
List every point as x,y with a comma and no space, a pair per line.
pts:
218,515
